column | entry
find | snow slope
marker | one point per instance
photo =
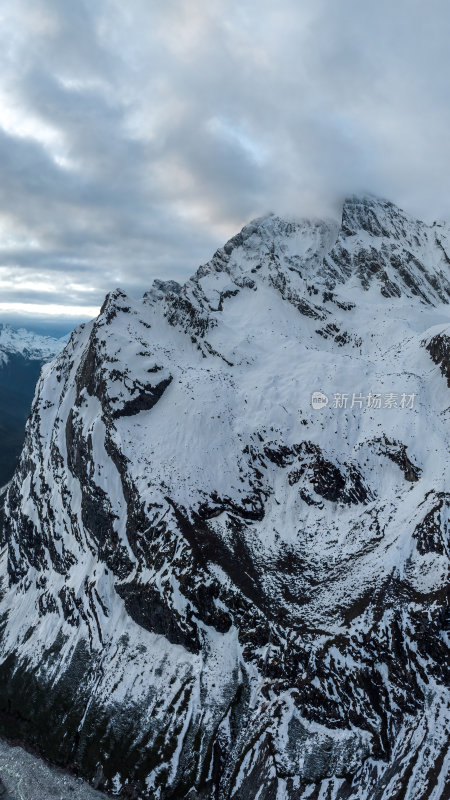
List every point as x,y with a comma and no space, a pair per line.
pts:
212,589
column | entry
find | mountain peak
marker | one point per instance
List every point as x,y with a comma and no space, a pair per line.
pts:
377,245
375,216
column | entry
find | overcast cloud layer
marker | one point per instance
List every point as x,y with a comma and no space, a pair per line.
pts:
136,137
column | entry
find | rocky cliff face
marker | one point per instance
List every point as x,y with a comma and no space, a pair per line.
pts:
212,589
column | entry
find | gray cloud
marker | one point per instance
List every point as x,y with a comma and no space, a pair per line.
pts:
136,137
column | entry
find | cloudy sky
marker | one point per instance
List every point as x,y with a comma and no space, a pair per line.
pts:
137,136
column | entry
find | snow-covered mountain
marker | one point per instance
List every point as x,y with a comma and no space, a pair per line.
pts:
22,354
213,589
32,346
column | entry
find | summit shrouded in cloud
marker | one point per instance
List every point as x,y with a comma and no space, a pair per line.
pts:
134,138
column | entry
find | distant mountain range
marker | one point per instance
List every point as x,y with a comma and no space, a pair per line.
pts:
224,572
22,355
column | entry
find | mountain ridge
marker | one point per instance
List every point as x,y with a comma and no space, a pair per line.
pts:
230,593
29,344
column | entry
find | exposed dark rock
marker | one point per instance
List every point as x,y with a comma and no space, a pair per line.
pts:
396,451
439,350
147,397
146,607
432,532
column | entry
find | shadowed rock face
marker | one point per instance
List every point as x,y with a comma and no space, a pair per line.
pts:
439,349
212,590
